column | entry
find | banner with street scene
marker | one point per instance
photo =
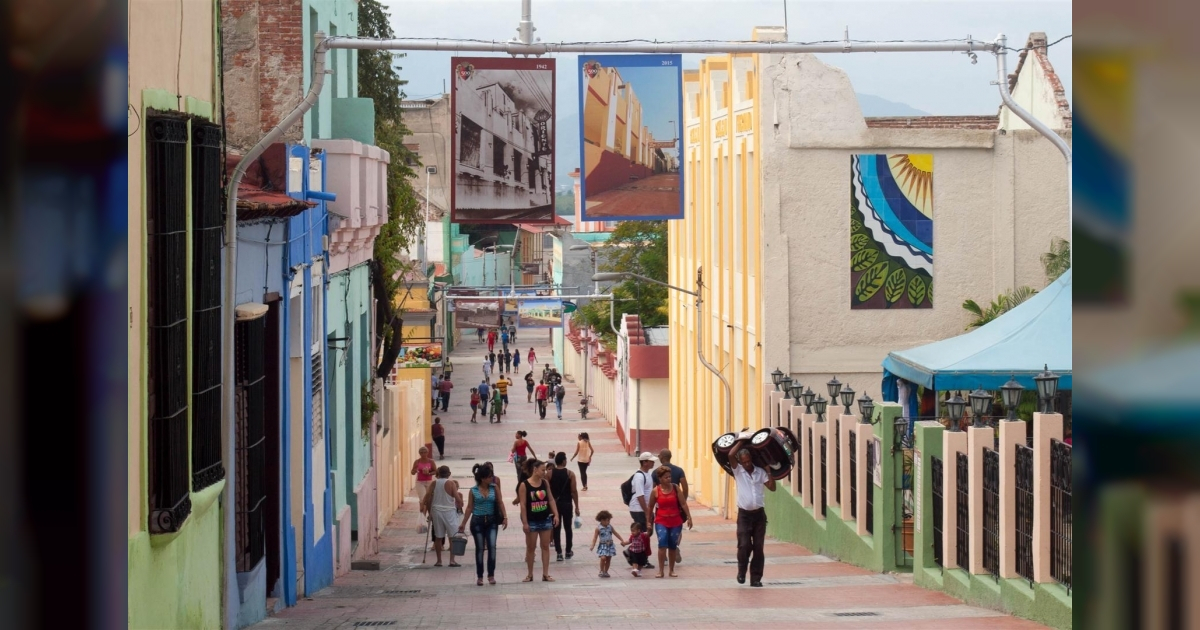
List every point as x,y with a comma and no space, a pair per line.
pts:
631,122
540,314
502,140
477,313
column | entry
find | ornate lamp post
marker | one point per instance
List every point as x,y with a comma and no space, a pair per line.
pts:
776,377
834,387
981,405
1010,393
819,406
955,406
797,391
808,397
785,386
847,395
866,409
1047,387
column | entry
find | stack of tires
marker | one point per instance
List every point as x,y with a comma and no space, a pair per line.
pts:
773,449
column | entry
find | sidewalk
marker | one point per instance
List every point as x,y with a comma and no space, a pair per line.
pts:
801,590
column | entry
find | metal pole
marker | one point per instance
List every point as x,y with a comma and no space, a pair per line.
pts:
541,48
714,370
1002,82
525,28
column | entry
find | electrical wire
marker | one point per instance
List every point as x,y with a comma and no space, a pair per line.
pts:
139,120
1046,46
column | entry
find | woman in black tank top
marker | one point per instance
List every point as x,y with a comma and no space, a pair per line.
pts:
562,485
539,515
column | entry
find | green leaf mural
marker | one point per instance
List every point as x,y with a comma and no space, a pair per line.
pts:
855,226
859,241
893,288
916,290
871,281
863,258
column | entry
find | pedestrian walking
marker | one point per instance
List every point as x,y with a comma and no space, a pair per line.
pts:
486,514
641,485
445,387
497,405
491,340
539,394
539,515
752,517
669,509
679,478
507,361
504,337
487,369
492,359
602,541
521,451
423,468
485,395
516,361
502,387
475,400
560,392
443,503
566,492
583,450
529,386
638,548
439,437
512,329
479,333
435,389
531,358
546,373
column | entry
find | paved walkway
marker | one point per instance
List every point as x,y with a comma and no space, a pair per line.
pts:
802,590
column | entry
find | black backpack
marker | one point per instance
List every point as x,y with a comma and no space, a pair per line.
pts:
560,392
627,488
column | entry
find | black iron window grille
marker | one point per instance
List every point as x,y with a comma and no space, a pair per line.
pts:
1060,513
811,465
991,512
837,461
824,475
207,467
870,482
1024,512
166,302
937,478
250,337
853,474
962,554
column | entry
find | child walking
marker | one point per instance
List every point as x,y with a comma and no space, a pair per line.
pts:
604,535
639,548
475,400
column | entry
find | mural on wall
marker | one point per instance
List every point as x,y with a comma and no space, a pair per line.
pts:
891,231
541,313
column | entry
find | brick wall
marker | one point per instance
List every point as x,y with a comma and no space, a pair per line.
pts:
264,67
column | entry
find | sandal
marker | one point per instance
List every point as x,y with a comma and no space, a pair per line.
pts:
658,575
438,564
455,564
528,578
673,575
547,578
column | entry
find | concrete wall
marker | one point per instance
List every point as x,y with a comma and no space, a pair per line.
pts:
429,125
263,66
335,17
999,199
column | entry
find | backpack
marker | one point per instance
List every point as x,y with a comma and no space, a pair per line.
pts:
560,392
627,488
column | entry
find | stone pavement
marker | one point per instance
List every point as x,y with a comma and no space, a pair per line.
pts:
802,590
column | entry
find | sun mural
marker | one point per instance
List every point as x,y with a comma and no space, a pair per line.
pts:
891,231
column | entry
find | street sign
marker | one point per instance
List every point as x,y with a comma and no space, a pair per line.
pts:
569,307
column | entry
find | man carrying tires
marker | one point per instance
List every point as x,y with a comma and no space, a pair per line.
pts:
752,516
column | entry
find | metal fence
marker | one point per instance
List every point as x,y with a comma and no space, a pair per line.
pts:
939,508
810,464
824,474
962,555
1060,513
904,526
837,461
853,475
991,512
870,486
1024,512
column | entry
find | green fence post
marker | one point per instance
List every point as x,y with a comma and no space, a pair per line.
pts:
927,437
889,522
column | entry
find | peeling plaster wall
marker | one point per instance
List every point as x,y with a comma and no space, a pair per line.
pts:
998,201
263,68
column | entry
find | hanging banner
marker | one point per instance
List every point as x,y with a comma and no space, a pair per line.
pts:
477,313
631,123
540,314
502,142
420,355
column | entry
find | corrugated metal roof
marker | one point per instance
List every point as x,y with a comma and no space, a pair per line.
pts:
657,336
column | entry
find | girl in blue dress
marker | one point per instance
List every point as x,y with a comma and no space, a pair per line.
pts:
602,541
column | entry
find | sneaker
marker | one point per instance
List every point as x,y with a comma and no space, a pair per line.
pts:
570,554
741,579
604,575
756,584
635,573
560,557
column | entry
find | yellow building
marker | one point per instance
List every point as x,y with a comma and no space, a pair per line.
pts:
719,235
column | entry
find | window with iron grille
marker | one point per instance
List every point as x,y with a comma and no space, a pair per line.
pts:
1024,512
870,483
207,467
962,554
939,508
167,317
837,461
250,337
824,475
1060,512
991,512
854,474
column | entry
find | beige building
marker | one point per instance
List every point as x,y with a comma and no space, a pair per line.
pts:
769,143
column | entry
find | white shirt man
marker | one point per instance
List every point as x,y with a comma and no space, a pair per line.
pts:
643,485
487,369
752,517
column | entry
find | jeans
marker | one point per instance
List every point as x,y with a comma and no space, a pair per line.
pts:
445,401
668,537
566,516
583,474
639,517
484,530
541,403
440,442
558,403
751,530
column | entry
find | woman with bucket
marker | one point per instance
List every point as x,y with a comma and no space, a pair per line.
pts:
443,503
485,510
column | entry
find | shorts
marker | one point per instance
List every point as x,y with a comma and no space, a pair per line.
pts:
541,526
637,558
668,537
474,406
529,388
504,398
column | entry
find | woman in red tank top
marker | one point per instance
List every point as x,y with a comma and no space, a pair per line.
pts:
669,514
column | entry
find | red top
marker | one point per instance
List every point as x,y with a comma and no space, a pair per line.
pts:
475,398
521,444
666,510
438,430
445,386
639,543
540,391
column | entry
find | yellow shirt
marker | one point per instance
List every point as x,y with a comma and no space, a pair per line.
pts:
502,386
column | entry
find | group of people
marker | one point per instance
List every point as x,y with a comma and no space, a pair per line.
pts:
549,388
507,333
509,362
440,387
490,398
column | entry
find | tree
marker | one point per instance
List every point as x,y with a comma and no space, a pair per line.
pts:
634,247
1003,303
379,80
1057,261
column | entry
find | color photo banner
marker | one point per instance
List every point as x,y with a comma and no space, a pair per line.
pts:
420,355
631,123
502,140
540,314
477,313
891,231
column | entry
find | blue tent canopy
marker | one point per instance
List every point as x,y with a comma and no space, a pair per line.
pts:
1018,343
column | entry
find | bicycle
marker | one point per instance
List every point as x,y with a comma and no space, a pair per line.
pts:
584,399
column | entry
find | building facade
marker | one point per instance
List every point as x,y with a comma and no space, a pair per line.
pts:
771,233
501,162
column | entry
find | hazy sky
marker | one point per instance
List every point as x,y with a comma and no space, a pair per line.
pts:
938,83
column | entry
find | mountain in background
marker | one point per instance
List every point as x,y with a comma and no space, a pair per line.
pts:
566,137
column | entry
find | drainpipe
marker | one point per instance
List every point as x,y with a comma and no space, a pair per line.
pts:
227,342
1039,126
714,370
